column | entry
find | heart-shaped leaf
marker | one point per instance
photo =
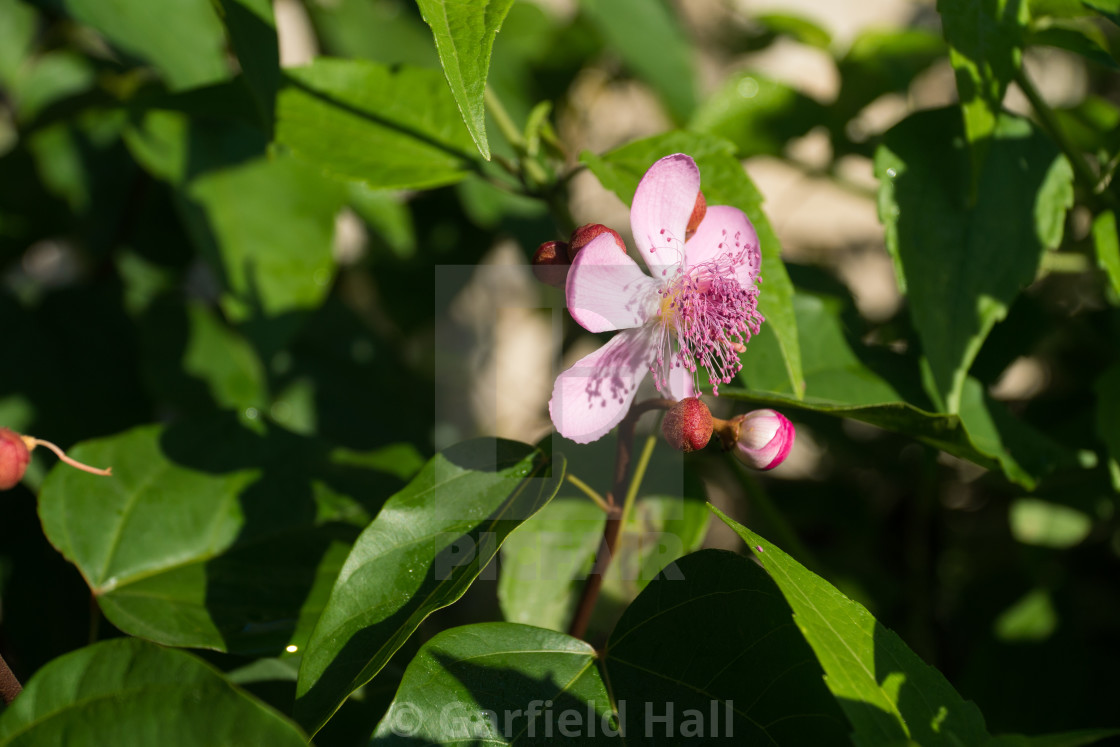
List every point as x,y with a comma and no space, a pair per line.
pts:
888,693
128,691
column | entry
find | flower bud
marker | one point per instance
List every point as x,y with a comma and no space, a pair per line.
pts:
583,235
764,439
699,210
688,425
550,263
14,458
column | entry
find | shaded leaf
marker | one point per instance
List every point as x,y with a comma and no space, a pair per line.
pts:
649,39
1067,739
181,38
1107,244
127,691
985,47
198,521
464,33
252,32
888,693
1108,419
962,264
422,552
724,183
389,128
1076,40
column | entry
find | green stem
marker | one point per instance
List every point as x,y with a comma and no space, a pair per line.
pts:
530,168
588,491
784,536
1081,169
639,474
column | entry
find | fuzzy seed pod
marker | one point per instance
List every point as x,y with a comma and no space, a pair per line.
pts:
688,425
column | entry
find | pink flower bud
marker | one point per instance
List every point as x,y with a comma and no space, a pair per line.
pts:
688,425
550,263
14,458
583,235
765,438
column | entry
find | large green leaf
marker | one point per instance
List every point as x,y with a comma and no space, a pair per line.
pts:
545,562
724,183
464,31
705,654
127,691
423,551
393,128
888,693
985,47
649,39
252,32
1107,244
961,262
182,38
208,534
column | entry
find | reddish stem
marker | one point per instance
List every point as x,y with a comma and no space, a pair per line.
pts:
613,529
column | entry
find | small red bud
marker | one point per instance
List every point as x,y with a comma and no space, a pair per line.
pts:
14,458
583,235
699,210
688,425
550,263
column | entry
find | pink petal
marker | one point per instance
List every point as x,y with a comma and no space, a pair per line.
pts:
682,383
607,290
594,395
726,230
660,211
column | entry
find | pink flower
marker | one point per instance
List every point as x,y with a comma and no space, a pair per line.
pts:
698,310
765,438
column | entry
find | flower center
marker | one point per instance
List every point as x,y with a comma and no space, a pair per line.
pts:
706,318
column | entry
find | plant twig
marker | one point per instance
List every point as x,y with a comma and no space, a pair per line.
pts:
9,685
621,487
588,491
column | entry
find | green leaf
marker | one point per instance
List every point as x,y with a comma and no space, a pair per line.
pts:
1107,244
182,38
724,183
1045,524
464,33
18,23
847,379
1110,9
127,691
1031,618
424,550
888,693
198,520
963,263
756,113
796,27
1108,419
1074,39
391,128
985,47
716,632
252,33
545,562
502,668
649,39
735,668
267,226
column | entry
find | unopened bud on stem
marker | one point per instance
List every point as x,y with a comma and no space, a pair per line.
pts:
550,263
15,455
688,425
583,235
761,439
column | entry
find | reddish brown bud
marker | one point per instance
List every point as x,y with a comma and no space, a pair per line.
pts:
550,263
14,458
583,235
699,210
688,425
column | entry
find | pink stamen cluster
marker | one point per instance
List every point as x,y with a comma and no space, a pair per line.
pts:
707,318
